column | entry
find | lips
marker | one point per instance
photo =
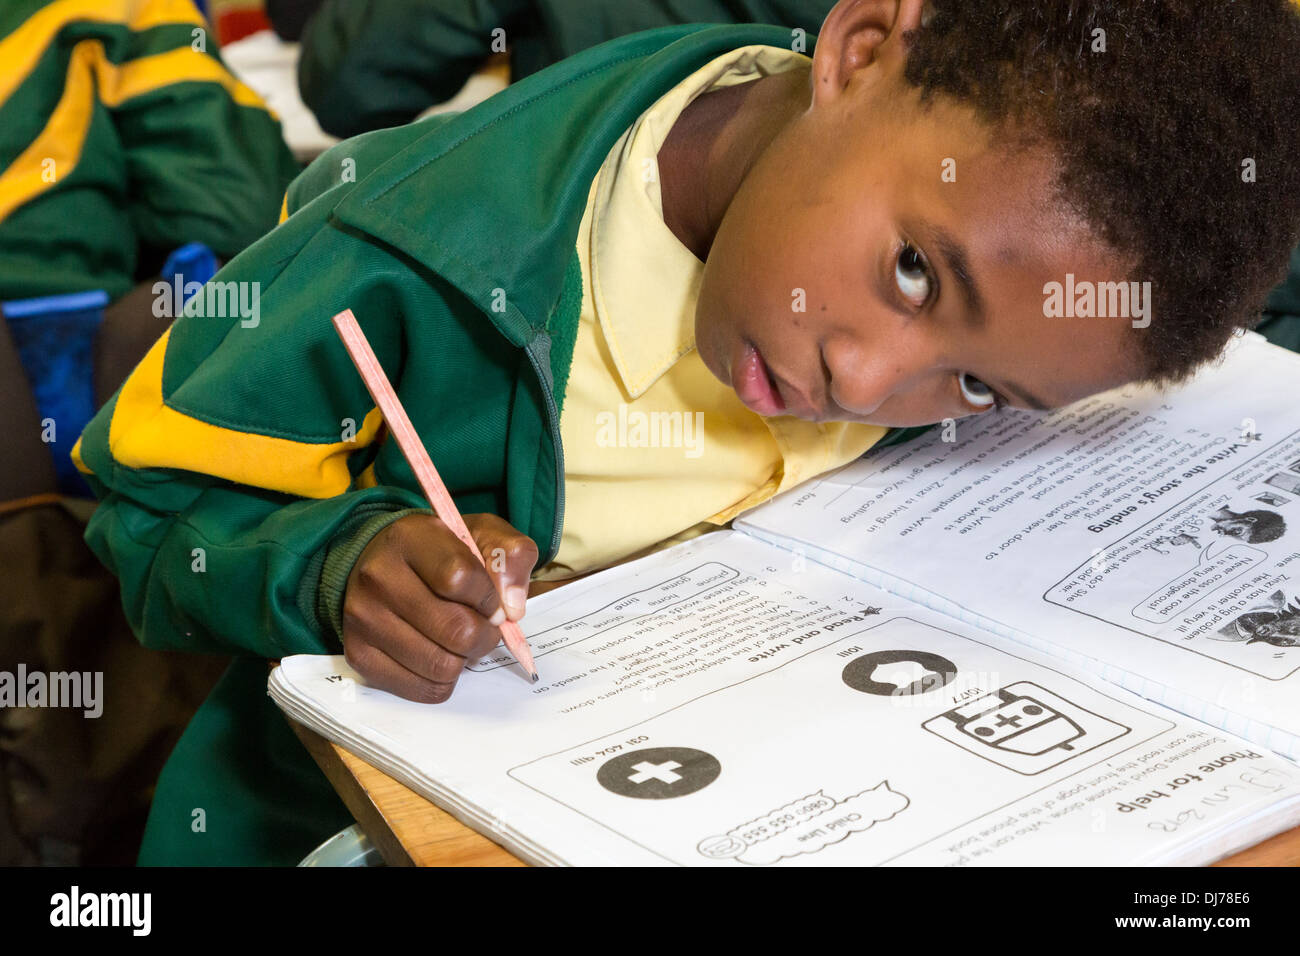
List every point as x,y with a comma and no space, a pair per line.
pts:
753,383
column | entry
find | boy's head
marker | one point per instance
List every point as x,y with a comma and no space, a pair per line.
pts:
892,251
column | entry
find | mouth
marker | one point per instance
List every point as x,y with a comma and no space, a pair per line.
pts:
753,383
763,391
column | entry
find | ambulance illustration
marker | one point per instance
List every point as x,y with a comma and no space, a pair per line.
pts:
1024,727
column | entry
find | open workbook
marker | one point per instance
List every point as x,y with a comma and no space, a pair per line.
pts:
1062,638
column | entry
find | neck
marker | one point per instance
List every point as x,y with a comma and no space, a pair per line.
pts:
714,143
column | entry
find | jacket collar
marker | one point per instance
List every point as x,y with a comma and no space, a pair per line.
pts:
491,199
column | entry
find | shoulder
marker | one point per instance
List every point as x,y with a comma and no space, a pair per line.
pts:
334,171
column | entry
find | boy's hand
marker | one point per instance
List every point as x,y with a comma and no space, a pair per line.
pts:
419,604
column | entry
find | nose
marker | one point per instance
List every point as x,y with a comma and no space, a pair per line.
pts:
864,375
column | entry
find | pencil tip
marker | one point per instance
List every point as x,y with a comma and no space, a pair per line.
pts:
536,677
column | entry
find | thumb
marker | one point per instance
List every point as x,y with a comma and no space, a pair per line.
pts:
509,556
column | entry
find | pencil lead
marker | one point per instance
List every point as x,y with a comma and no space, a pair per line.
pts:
536,677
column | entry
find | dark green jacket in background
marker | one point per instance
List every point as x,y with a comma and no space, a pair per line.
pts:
383,62
1281,320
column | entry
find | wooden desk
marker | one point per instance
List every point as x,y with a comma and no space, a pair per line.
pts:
411,831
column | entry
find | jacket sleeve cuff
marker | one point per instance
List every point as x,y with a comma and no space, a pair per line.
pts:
341,556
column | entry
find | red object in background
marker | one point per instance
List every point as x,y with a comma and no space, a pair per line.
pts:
239,22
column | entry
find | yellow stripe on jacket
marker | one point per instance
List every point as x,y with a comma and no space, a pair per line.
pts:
91,77
20,50
145,432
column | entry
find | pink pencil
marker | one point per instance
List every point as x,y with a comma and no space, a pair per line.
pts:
390,406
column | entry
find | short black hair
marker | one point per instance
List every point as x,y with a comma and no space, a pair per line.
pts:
1151,135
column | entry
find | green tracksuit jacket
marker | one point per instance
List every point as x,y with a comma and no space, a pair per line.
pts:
232,463
122,136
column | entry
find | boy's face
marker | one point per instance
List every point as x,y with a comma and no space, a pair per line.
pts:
876,290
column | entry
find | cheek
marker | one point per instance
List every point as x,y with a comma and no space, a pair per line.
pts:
713,327
787,265
745,289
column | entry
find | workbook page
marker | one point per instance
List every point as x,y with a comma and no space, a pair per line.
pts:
702,707
1158,533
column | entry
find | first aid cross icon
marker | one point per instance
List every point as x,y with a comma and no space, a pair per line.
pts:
658,773
651,771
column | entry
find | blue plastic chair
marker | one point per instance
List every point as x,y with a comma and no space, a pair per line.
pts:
55,339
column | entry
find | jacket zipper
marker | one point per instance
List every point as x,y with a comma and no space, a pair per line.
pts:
553,426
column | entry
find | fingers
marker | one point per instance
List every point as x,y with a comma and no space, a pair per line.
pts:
366,655
509,556
388,585
446,624
419,603
446,566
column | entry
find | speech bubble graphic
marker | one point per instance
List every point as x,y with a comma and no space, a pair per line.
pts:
1211,572
805,826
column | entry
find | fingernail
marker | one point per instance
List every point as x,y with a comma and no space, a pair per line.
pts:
515,598
497,619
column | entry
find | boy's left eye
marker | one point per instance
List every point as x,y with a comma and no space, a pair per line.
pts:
912,275
978,393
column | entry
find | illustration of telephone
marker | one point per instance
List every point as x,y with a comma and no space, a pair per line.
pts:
1024,727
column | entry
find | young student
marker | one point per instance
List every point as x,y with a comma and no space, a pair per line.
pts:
810,253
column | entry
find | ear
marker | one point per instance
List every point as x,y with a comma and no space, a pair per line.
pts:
857,34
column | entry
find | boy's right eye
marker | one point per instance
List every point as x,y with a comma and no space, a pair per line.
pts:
912,275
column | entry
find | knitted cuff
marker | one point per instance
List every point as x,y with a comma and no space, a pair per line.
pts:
340,558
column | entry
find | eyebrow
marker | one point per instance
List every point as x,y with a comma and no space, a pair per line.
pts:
958,263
